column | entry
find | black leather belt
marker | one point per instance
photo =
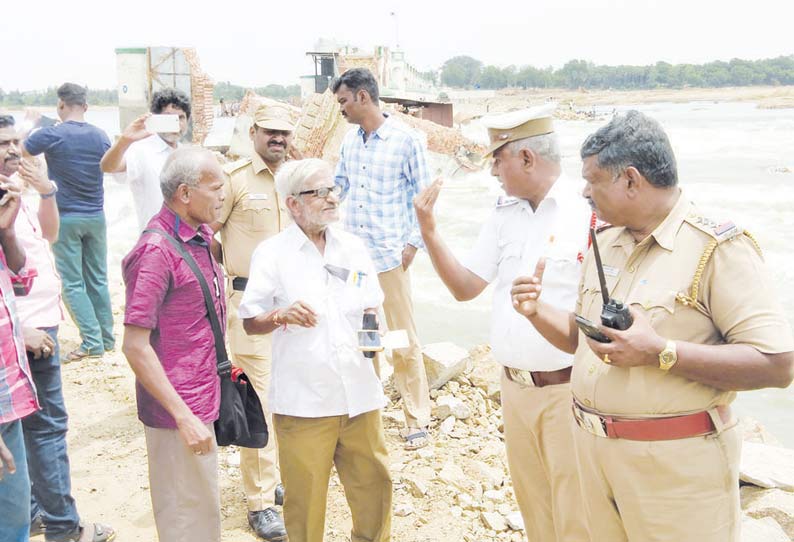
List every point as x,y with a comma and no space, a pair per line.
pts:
239,283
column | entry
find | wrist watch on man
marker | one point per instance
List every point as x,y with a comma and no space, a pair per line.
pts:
51,193
668,357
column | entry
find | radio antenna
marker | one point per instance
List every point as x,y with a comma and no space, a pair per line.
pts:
601,279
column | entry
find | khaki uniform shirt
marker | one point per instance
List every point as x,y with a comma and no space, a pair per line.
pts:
736,305
251,213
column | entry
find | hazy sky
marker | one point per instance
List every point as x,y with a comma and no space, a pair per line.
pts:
256,43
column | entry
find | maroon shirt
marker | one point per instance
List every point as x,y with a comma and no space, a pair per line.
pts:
164,295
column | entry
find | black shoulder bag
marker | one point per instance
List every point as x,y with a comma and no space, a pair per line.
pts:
241,420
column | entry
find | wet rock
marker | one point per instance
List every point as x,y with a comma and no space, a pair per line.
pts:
443,362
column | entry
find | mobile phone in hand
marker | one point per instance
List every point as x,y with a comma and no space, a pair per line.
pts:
591,330
164,124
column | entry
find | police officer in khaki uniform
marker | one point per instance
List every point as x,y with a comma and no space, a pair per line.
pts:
657,443
251,213
544,215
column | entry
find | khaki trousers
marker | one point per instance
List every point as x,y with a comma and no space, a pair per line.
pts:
410,377
683,490
184,488
308,448
542,462
258,467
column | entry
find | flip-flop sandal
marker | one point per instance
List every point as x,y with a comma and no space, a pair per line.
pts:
78,354
102,533
416,440
99,533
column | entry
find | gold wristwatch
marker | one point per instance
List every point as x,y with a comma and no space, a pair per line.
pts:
668,357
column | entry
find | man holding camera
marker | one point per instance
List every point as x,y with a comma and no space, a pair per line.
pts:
140,154
310,286
657,445
543,215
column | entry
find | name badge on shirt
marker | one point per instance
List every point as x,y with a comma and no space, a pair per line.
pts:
611,271
257,197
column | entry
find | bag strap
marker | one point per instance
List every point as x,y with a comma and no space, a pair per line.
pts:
224,365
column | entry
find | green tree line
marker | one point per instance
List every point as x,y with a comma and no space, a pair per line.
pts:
49,97
233,93
468,72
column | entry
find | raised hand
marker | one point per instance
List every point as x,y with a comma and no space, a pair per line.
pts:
137,129
34,172
525,292
424,203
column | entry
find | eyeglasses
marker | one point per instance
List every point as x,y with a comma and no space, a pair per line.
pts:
323,192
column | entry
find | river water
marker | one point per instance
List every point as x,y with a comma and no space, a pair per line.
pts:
730,158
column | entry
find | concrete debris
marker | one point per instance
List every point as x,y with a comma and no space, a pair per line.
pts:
494,521
762,530
515,521
402,510
767,466
463,473
443,362
770,503
448,425
416,486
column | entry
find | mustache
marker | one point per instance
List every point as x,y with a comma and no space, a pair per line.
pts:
12,156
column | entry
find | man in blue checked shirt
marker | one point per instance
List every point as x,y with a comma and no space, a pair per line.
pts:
381,168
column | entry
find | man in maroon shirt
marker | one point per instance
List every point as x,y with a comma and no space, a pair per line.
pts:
169,344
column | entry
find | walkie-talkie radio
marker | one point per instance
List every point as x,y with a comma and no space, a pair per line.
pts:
614,313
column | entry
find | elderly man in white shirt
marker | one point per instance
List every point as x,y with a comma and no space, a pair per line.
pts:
310,286
543,216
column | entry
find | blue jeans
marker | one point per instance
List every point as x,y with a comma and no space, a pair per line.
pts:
15,488
81,257
45,440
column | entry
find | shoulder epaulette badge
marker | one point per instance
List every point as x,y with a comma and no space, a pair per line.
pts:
231,167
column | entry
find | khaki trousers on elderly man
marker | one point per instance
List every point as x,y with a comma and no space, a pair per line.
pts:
410,377
308,448
184,488
542,461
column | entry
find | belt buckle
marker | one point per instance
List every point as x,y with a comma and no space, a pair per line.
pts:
592,423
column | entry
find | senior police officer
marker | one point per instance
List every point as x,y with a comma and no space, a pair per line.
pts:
543,215
657,446
253,212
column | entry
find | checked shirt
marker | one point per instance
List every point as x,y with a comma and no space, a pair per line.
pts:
379,179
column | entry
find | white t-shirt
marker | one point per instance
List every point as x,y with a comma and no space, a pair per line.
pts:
145,160
317,371
509,245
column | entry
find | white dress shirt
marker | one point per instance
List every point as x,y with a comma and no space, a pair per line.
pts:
317,371
509,245
145,160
